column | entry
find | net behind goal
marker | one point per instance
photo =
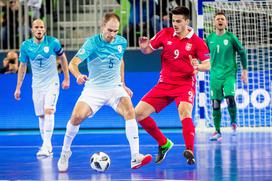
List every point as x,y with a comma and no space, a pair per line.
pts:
251,22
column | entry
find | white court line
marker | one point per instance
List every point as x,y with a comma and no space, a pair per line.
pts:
124,146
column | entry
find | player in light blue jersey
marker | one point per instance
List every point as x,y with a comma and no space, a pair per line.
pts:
41,51
104,85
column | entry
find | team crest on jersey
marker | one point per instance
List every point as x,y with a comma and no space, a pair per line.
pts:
81,51
188,46
46,49
169,43
119,47
226,42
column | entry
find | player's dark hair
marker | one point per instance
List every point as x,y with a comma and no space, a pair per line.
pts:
109,16
181,10
219,13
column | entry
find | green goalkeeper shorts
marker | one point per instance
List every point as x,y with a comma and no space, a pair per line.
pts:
221,88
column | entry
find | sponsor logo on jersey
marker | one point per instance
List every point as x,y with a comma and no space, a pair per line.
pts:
226,42
169,43
81,51
188,46
46,49
119,47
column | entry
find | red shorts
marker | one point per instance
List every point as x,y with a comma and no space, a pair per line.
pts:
163,94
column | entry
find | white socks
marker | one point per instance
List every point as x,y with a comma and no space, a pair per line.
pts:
133,137
48,129
41,126
71,132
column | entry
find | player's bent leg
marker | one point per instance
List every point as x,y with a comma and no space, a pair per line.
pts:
126,109
81,112
143,110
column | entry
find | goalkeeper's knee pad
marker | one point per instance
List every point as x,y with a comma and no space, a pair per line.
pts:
230,101
216,104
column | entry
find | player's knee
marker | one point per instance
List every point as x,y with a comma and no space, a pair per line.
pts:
76,118
185,113
130,113
216,104
49,111
138,114
230,101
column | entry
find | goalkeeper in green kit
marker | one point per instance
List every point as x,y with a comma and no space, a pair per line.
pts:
223,46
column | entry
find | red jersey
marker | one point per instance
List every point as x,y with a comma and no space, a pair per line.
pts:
176,65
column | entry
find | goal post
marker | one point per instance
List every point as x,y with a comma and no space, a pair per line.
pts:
251,22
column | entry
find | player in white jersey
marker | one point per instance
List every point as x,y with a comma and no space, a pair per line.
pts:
41,51
103,86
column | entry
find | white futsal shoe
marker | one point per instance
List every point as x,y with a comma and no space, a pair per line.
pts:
63,162
140,160
45,151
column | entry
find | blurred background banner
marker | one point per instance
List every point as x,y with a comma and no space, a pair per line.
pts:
20,114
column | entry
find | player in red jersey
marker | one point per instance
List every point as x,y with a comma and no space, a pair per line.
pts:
182,51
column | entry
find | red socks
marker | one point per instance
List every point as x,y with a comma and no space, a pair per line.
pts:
151,127
188,131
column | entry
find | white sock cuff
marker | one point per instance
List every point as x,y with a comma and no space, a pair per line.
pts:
71,127
131,123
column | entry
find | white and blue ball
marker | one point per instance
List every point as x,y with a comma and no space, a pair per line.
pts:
100,161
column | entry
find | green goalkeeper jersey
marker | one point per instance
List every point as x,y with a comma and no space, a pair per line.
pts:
223,54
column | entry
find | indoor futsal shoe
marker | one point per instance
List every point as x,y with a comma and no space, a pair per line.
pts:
140,161
163,150
44,152
189,155
63,162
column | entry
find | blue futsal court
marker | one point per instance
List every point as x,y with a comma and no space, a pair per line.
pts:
247,156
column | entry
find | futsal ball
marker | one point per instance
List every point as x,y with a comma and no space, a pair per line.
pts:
100,161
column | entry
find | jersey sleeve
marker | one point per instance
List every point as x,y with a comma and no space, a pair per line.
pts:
240,49
202,52
57,47
87,49
156,41
124,46
207,40
23,57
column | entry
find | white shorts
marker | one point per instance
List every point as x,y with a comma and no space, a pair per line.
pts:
46,98
97,98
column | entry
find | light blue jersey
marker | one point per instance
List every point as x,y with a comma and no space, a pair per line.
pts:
42,58
103,60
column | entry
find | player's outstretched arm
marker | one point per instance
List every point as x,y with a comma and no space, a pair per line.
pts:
20,79
64,66
73,67
144,45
